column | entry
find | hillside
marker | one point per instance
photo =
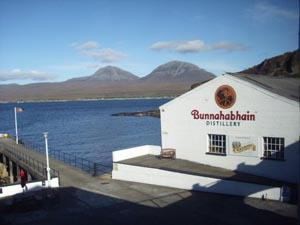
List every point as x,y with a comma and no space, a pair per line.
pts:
282,65
177,71
108,74
170,79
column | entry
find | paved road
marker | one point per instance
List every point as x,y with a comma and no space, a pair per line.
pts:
84,199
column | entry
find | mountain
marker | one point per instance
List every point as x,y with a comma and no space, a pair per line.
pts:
170,79
286,64
108,74
177,71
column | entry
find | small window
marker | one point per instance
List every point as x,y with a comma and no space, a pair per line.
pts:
273,148
217,144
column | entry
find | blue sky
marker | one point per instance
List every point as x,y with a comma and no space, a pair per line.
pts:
55,40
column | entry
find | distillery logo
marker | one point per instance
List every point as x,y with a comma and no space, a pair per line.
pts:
225,96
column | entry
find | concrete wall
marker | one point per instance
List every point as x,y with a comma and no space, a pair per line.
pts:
275,116
135,152
192,182
30,186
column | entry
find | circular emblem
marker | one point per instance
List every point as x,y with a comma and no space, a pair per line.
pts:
225,96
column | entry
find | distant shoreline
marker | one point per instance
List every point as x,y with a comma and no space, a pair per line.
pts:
153,113
92,99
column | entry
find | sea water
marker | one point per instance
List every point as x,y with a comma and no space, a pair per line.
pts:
84,128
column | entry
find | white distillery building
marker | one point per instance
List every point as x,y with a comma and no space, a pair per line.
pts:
246,124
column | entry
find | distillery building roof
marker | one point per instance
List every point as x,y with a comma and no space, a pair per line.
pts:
285,86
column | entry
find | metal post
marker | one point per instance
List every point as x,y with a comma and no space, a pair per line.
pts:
95,169
16,126
47,159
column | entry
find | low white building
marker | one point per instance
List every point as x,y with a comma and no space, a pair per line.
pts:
245,123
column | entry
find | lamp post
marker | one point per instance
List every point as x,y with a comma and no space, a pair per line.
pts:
47,159
17,110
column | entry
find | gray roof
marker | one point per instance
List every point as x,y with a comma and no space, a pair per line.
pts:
288,87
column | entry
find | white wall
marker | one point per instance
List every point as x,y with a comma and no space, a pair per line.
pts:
135,152
30,186
192,182
275,116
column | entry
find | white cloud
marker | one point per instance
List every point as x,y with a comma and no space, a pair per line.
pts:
18,74
192,46
88,45
196,46
264,11
164,45
104,55
92,50
228,46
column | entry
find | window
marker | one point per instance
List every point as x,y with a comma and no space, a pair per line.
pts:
217,144
273,148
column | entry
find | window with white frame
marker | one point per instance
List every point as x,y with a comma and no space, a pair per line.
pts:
273,148
217,144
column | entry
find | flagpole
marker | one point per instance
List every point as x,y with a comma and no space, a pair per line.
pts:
16,126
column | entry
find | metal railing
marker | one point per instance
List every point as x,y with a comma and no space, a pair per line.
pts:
89,166
34,164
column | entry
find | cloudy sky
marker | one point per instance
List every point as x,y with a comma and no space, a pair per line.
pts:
54,40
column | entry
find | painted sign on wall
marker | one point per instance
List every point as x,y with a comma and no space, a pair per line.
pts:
225,97
243,146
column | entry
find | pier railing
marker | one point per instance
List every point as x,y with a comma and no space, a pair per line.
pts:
29,161
89,166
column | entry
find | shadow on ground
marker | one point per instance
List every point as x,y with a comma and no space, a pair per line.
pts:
79,207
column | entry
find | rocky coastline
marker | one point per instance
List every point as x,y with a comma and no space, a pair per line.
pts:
154,113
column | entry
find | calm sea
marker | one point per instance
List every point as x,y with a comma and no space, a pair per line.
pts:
84,128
